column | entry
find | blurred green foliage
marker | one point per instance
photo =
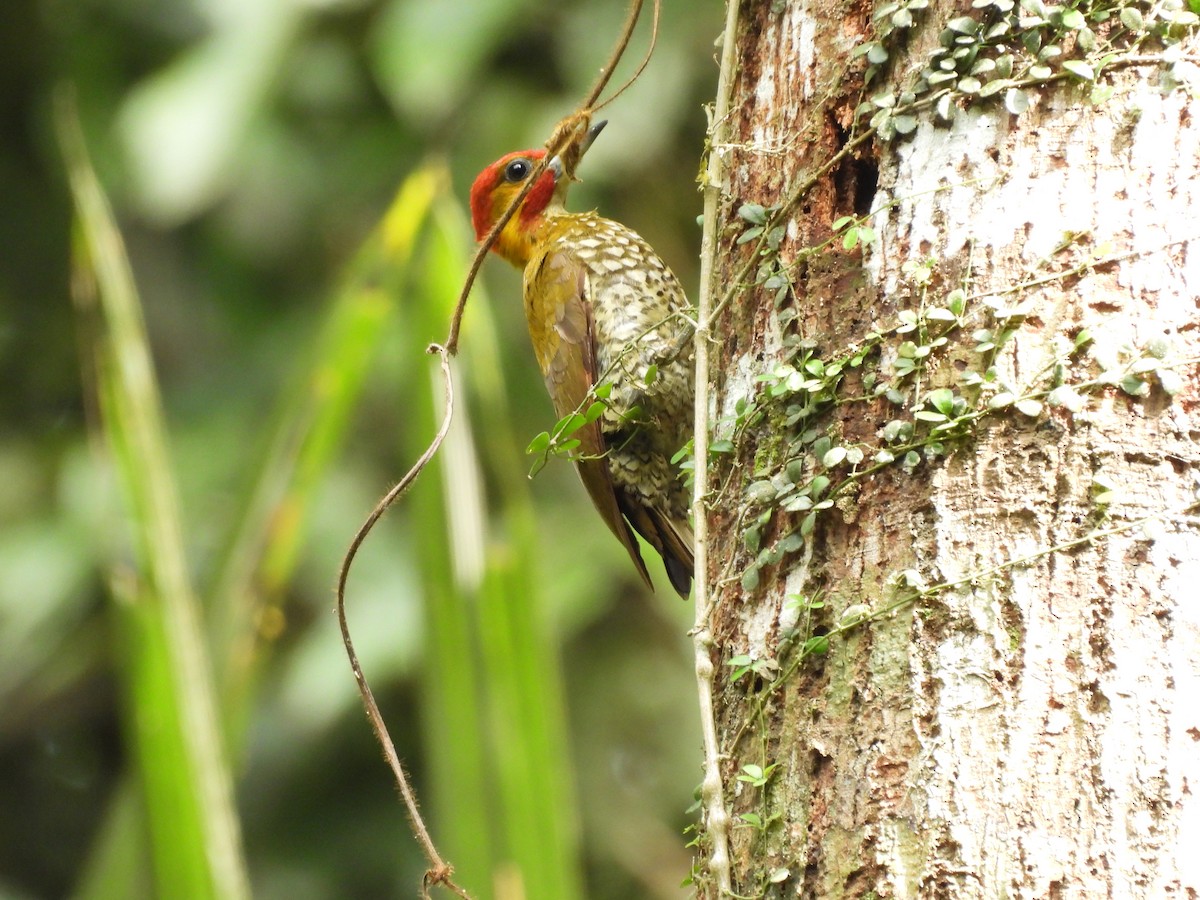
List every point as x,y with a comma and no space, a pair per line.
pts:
251,150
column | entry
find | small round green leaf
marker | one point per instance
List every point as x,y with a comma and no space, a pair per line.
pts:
750,579
754,213
1079,69
1132,19
1073,19
833,457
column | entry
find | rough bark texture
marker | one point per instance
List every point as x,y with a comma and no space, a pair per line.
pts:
1037,733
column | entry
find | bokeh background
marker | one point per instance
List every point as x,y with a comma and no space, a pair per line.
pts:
250,150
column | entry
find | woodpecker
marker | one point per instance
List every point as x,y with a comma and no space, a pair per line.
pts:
602,307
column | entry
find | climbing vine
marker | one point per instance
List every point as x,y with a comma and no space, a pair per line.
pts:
804,397
1006,47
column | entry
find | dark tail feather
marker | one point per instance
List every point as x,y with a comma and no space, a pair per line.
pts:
680,575
672,539
677,555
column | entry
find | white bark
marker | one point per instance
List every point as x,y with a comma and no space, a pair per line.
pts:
1065,765
1038,734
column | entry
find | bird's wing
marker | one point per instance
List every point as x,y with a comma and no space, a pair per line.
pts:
564,339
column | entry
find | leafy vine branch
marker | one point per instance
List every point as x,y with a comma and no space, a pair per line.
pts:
815,469
1008,49
1008,46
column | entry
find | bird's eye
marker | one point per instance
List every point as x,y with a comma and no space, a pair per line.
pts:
517,170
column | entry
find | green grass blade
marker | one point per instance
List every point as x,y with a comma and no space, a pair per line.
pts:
496,609
196,839
261,556
529,734
456,742
448,523
117,867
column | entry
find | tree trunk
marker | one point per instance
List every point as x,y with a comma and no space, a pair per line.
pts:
954,543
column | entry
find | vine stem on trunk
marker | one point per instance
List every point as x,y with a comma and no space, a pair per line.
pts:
712,792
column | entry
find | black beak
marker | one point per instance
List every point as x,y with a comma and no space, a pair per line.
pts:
592,134
555,165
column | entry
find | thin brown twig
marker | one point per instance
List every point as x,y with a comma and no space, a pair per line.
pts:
637,73
569,131
439,871
635,10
